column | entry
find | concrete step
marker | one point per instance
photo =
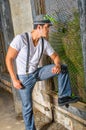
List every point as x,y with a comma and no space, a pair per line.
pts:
76,112
5,82
78,109
6,87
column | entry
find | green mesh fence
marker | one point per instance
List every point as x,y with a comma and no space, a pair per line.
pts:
66,40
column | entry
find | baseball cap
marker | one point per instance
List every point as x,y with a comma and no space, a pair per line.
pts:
41,19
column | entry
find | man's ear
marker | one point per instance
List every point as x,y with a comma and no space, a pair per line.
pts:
39,27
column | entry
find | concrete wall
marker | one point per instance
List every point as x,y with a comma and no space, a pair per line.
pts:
6,22
21,16
42,102
6,35
82,10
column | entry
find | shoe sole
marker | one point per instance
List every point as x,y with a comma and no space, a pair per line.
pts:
68,102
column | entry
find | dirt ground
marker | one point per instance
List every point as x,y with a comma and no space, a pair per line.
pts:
8,120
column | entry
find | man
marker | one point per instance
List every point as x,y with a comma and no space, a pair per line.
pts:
27,54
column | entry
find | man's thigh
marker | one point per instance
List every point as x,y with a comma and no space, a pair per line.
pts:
28,82
45,72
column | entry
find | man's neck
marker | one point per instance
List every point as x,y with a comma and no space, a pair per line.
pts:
35,37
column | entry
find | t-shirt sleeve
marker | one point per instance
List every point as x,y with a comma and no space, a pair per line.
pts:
16,43
48,50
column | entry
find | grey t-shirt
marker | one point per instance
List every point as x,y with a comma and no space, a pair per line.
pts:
20,44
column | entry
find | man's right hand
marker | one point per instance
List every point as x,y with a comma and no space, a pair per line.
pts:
17,84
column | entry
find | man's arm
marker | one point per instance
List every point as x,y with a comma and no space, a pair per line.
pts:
56,59
11,55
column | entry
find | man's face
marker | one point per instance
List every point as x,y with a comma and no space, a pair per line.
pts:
44,30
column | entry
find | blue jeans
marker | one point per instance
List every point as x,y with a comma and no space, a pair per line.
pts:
28,82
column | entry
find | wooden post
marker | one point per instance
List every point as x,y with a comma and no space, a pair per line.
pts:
82,10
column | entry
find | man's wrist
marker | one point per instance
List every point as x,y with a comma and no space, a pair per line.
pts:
58,65
13,78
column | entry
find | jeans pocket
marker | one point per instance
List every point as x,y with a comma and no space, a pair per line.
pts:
22,78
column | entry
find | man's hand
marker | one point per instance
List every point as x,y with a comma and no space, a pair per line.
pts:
56,69
17,84
57,62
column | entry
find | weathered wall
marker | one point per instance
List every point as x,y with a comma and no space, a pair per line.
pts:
6,35
6,22
21,16
42,102
82,10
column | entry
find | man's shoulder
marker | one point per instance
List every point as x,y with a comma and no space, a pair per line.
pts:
46,42
23,35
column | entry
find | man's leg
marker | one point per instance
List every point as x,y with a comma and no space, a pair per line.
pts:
28,83
64,87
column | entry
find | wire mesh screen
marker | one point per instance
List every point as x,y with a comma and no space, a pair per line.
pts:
65,39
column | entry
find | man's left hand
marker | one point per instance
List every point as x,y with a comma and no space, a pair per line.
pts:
56,69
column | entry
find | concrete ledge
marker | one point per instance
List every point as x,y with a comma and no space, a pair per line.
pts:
76,111
5,87
5,82
45,110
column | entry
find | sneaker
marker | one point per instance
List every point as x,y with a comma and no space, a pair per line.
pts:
66,100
